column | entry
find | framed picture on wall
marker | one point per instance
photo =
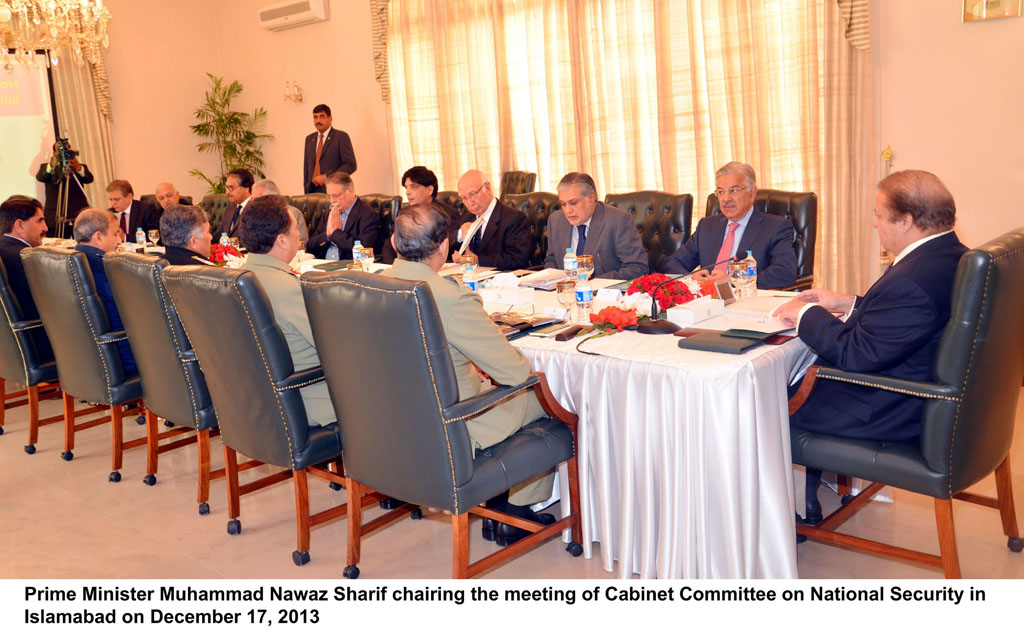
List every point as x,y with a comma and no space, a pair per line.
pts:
975,10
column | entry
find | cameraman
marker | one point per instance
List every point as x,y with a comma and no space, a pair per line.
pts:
52,175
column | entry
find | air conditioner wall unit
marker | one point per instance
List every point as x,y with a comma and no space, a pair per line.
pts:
296,13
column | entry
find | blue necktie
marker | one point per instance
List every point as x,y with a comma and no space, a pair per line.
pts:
474,244
581,243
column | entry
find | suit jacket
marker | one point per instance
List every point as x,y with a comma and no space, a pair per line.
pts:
612,238
285,295
894,330
178,256
141,215
10,254
99,275
336,155
227,220
76,196
388,253
768,237
505,244
363,223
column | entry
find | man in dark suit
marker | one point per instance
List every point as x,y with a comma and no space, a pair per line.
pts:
421,188
349,219
593,228
328,150
238,186
130,213
894,329
185,233
51,175
97,232
23,226
740,228
497,234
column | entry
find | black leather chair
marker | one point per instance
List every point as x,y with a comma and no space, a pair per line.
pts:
417,449
537,206
150,199
313,207
255,389
85,348
799,208
517,183
173,386
452,199
387,206
21,361
663,220
215,207
968,418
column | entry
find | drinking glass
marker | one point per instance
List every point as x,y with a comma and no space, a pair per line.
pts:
585,264
566,292
367,258
738,277
154,236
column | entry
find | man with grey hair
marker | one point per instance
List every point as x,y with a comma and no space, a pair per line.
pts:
268,187
594,228
497,234
740,228
185,232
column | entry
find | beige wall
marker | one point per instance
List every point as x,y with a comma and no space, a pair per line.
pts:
158,68
950,97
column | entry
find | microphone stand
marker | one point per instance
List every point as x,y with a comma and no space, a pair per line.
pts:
656,326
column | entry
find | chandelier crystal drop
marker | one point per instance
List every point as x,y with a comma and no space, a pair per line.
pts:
27,26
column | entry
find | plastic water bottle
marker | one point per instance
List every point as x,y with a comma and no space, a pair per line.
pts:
140,237
224,241
469,276
569,263
357,251
584,298
750,281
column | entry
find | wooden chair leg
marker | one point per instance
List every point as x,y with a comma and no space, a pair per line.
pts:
947,537
1004,494
353,493
33,414
299,480
574,500
204,471
69,424
152,444
3,404
460,545
117,434
231,474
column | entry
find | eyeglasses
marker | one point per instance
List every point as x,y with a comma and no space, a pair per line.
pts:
230,188
733,192
472,194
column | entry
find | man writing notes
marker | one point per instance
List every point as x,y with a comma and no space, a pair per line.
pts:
894,328
591,227
497,234
131,214
476,345
327,150
348,220
740,228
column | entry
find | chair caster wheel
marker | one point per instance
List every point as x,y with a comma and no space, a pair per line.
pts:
846,498
168,424
234,526
1,430
1015,543
204,509
30,449
300,558
141,420
416,514
67,455
149,479
574,549
334,486
115,477
351,572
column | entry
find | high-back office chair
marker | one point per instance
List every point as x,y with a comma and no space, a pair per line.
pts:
215,206
517,183
537,206
968,417
173,386
417,448
85,348
801,209
21,360
663,220
387,207
255,389
150,200
452,199
313,206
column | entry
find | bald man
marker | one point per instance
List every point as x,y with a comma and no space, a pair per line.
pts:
167,195
497,234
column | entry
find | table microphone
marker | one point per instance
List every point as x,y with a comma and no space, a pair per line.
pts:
655,326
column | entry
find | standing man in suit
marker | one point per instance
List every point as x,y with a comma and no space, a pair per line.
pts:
185,233
238,186
894,329
327,150
349,219
130,213
740,228
497,234
50,174
593,228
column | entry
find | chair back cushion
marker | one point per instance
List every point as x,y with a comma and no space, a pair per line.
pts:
215,207
173,385
21,348
517,183
452,199
537,206
390,375
387,207
313,207
663,220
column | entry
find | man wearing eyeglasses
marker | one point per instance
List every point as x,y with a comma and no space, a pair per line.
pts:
238,186
740,228
497,234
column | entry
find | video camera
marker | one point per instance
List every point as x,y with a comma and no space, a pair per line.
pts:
64,153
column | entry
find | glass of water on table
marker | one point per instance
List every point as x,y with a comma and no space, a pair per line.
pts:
585,265
367,258
566,293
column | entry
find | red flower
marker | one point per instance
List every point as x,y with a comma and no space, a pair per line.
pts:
219,253
613,318
671,294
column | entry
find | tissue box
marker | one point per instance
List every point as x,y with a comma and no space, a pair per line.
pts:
693,312
510,296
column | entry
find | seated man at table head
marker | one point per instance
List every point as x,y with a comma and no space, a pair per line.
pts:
185,233
739,229
271,236
349,220
594,228
421,188
894,329
497,234
238,186
131,214
97,233
268,187
479,351
167,195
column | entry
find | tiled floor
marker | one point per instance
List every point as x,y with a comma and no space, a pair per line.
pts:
64,520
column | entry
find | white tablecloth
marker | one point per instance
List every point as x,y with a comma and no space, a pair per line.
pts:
684,456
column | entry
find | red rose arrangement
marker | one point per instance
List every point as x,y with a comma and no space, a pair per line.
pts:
613,318
671,294
219,253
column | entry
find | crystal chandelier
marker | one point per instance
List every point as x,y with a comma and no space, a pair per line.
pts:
78,26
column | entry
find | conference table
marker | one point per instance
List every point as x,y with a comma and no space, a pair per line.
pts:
684,456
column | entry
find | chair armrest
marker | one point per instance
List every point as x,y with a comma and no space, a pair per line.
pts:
802,283
552,406
189,356
483,402
301,379
111,337
919,389
19,326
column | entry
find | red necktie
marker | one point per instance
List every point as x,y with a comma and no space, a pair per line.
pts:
319,150
124,224
726,251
